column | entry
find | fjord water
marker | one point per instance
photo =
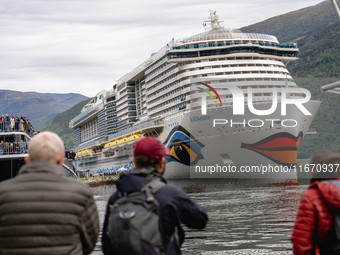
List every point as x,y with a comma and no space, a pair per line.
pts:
244,217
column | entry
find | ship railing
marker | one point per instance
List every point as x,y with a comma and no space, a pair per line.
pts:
114,110
173,111
226,35
160,78
162,85
135,128
119,114
8,148
110,122
122,153
163,92
148,70
240,49
164,98
158,72
110,106
112,116
231,44
122,106
166,106
122,112
122,94
16,128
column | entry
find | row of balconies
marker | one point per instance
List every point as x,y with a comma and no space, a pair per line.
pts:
153,67
162,85
167,105
164,98
110,106
166,75
167,113
149,77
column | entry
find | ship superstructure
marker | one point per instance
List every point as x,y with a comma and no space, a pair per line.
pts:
162,97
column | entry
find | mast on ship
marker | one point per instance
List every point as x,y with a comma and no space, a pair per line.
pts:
214,22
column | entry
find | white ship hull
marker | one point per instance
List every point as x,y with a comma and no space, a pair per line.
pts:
221,145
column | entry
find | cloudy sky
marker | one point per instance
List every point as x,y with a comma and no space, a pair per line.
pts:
85,46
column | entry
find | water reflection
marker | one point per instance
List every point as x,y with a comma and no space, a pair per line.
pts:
244,217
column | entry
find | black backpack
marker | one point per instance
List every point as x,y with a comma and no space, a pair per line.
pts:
134,225
333,247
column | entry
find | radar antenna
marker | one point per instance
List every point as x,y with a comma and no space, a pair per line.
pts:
215,23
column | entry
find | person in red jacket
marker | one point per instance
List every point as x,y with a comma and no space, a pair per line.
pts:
313,231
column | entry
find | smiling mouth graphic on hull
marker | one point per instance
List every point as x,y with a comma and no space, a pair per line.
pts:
280,148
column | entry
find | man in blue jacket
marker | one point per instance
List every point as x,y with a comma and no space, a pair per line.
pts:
175,205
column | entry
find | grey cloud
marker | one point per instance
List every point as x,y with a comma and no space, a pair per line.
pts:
85,46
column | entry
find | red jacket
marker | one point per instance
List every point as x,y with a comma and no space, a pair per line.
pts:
314,222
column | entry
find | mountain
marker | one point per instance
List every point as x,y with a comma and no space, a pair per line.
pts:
294,25
69,99
59,124
318,54
39,108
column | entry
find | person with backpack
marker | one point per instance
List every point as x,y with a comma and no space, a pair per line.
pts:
145,214
316,223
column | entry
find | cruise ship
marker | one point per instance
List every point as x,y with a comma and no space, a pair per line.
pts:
185,95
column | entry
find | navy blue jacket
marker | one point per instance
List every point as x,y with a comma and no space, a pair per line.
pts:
176,208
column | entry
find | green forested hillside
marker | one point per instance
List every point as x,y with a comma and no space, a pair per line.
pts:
326,121
60,123
319,64
293,25
319,54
